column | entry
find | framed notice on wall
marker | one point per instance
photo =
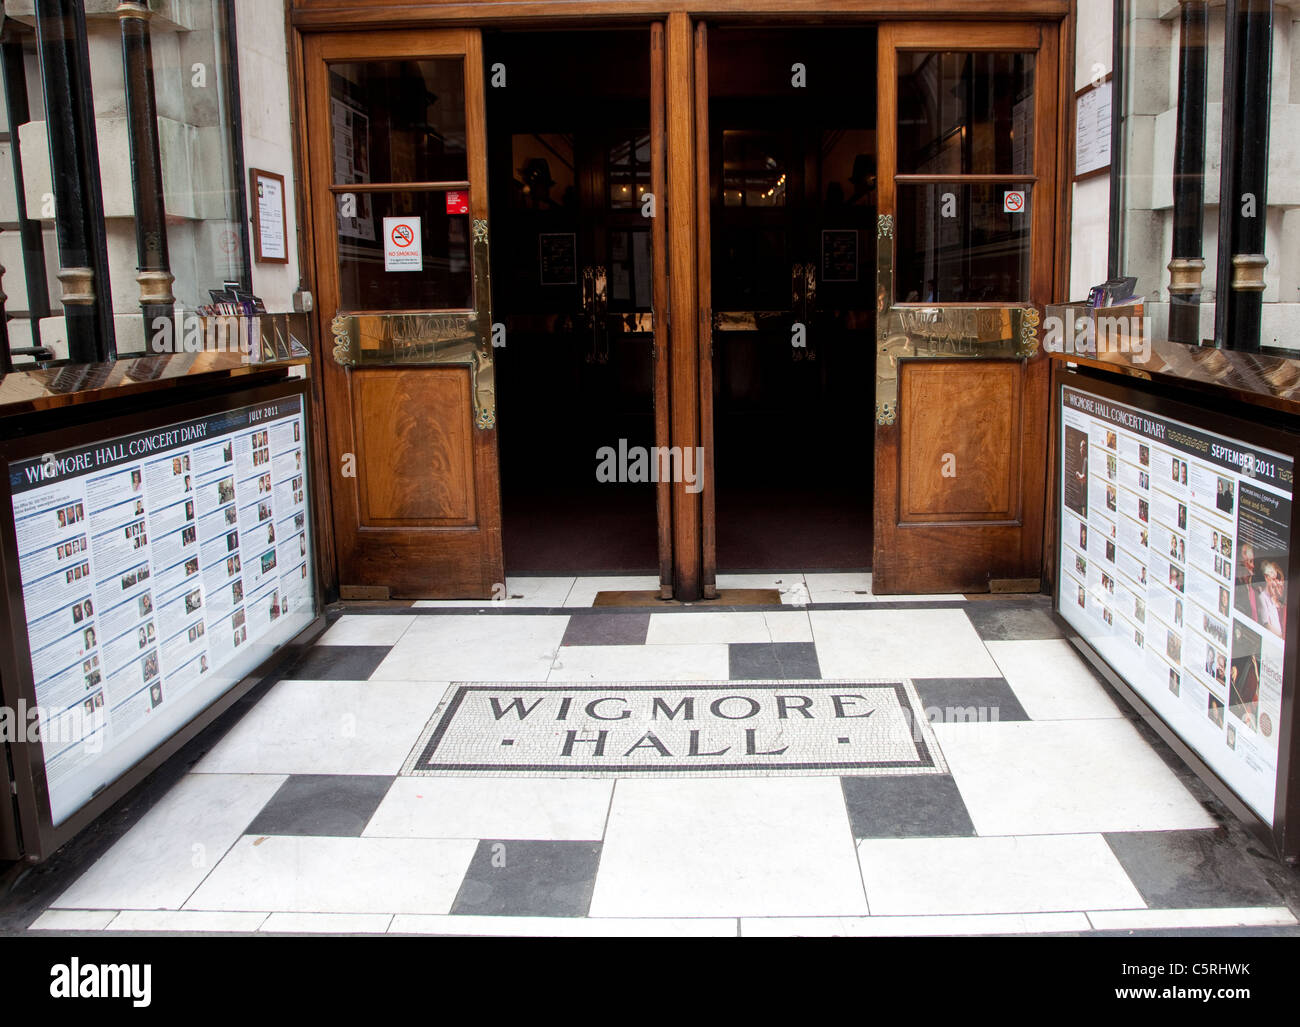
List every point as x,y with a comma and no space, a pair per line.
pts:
557,258
1092,114
270,239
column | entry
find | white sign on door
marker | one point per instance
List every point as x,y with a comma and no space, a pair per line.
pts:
1013,201
403,245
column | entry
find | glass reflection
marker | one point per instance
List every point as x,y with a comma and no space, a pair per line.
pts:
962,244
965,113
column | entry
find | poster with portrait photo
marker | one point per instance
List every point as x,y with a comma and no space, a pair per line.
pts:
1262,557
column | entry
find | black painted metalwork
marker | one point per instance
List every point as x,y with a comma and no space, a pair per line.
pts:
156,300
234,122
1119,105
1189,174
1247,74
18,111
74,163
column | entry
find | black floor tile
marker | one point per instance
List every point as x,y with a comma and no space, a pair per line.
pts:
337,663
906,806
528,878
774,661
1193,869
607,629
1013,622
968,700
330,805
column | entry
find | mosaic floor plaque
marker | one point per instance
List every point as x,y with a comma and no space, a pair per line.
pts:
677,729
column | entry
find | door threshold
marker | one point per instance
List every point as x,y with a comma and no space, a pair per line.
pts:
726,597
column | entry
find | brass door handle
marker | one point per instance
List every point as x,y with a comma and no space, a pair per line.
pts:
803,284
595,309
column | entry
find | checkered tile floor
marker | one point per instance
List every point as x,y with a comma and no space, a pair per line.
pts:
1054,811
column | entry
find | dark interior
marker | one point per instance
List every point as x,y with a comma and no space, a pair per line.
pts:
569,156
793,187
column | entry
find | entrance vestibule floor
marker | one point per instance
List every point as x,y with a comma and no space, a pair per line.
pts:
1044,805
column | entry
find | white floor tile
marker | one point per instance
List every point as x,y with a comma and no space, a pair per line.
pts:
826,587
327,727
564,927
914,926
693,627
186,920
165,856
899,643
1065,777
1173,919
585,589
857,587
946,876
337,875
497,647
327,923
642,663
1051,680
536,593
367,629
539,809
728,847
73,920
788,626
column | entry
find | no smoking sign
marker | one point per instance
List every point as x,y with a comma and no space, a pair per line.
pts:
1013,201
403,245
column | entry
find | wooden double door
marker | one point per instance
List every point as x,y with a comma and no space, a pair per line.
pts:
914,229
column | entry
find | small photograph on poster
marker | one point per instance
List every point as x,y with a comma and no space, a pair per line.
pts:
1243,692
1077,471
1223,495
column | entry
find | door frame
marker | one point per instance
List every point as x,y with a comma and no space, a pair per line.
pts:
687,523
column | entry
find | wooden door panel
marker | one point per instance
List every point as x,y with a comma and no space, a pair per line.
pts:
409,393
960,434
415,462
962,386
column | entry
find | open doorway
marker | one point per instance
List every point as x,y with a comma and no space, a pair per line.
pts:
792,146
568,117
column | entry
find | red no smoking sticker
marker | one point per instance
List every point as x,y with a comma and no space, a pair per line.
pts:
1013,201
403,236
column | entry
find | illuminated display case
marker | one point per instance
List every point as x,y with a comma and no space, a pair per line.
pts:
157,563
